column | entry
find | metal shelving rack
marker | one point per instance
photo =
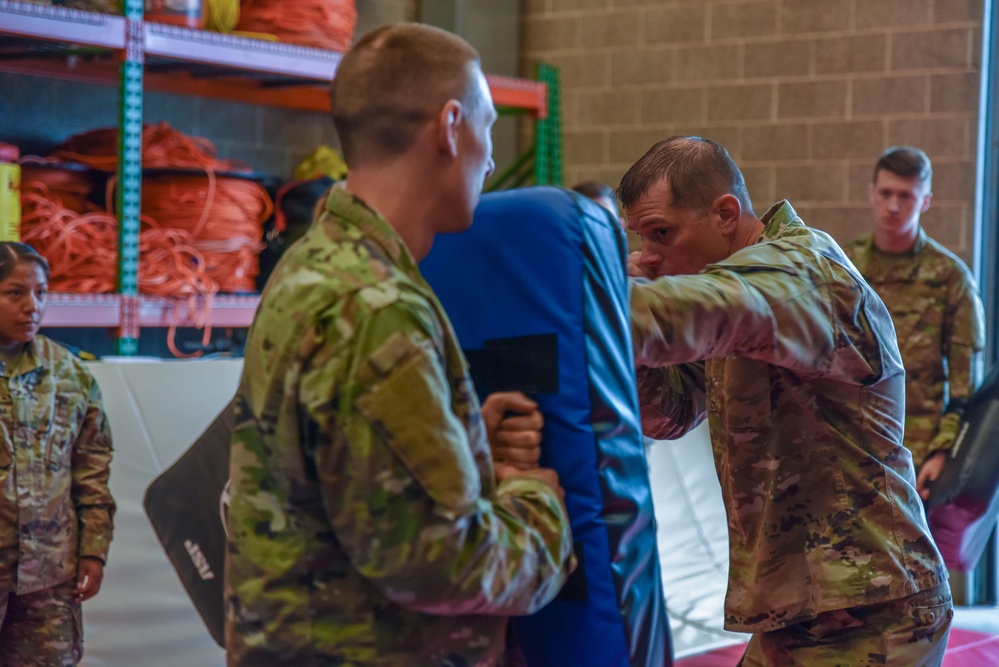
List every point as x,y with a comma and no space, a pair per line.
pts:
136,56
541,163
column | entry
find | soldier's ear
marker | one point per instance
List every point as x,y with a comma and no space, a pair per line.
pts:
729,211
448,121
926,202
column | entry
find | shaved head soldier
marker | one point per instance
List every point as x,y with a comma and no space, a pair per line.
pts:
763,326
369,523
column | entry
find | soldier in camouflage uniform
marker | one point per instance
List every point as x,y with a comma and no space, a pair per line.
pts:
763,325
934,302
55,450
369,523
602,194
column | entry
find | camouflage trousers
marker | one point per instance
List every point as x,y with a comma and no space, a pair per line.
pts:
910,632
41,629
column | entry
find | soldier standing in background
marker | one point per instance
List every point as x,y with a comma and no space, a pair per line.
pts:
369,523
933,301
56,510
765,327
601,193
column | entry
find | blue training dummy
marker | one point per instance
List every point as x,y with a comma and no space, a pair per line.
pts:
538,295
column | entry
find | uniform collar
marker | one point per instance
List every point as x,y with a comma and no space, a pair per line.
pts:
350,209
916,248
777,220
892,266
28,361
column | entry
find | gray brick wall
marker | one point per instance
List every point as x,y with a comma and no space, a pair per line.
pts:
804,93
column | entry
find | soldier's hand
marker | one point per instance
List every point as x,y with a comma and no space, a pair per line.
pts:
638,270
929,472
89,575
546,476
513,424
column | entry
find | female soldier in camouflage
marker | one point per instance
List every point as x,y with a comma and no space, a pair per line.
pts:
55,449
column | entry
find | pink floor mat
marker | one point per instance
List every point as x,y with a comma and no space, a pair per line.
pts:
966,648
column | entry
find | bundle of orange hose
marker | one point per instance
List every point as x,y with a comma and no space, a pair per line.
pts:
82,246
77,245
200,233
172,268
222,217
323,24
162,147
71,183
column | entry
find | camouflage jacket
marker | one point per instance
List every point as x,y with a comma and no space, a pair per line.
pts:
796,366
940,323
366,526
55,454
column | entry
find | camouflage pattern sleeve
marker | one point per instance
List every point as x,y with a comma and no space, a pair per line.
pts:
725,312
61,508
366,525
91,461
805,400
415,514
963,341
672,399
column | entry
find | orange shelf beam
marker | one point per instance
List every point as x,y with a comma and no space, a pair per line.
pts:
304,72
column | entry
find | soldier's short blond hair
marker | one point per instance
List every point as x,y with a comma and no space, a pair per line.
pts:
393,81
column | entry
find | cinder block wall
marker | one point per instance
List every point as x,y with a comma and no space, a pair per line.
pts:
804,93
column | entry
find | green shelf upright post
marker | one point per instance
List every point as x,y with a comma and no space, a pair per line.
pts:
128,196
548,142
541,163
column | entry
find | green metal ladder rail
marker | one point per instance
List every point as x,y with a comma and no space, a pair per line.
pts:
548,164
541,163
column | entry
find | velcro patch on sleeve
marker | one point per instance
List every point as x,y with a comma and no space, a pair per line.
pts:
410,408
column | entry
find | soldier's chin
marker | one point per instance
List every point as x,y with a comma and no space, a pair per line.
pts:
459,224
26,332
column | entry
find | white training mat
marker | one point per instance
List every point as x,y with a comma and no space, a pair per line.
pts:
157,410
693,541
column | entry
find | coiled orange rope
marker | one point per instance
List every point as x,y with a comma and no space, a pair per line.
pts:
171,267
222,217
324,24
71,183
82,249
76,244
162,147
201,233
